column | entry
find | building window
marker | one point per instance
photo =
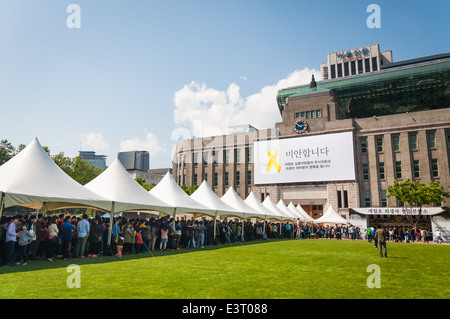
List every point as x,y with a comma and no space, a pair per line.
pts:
379,142
184,179
396,143
398,170
308,114
381,172
339,198
432,140
448,138
375,64
346,71
363,146
238,178
434,168
345,199
333,71
383,199
297,115
205,178
216,157
195,159
205,158
227,156
413,141
319,113
195,179
226,178
353,67
416,169
339,67
365,168
313,114
248,155
249,177
367,64
184,160
302,114
237,155
360,67
367,199
215,179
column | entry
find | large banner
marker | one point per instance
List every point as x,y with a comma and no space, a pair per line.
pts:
317,158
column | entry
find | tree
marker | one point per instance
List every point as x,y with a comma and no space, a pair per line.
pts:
141,181
7,151
80,170
416,194
189,190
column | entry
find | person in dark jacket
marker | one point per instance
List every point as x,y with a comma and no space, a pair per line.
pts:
67,234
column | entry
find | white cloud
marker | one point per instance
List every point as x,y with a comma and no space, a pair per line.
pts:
94,141
209,112
150,144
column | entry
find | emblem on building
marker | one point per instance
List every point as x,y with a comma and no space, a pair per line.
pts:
300,126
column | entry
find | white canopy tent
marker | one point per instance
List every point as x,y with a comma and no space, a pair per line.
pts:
331,217
205,195
304,214
169,192
116,184
31,179
235,201
263,212
270,205
294,210
281,206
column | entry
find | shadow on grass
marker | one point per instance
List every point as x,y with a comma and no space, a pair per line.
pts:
43,264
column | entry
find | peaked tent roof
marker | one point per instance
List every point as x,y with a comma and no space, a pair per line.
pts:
31,179
281,206
235,201
270,205
331,217
263,212
116,184
168,191
205,195
302,212
295,211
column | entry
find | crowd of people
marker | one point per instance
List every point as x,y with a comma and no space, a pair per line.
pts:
24,239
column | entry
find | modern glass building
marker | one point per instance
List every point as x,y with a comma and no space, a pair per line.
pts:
135,160
407,86
96,160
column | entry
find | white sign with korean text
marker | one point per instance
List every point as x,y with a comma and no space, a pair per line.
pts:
317,158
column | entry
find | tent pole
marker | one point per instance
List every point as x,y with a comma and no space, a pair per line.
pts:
2,203
215,217
43,209
111,221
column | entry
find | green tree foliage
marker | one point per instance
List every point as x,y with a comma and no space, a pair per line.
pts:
147,187
7,151
80,170
189,190
416,194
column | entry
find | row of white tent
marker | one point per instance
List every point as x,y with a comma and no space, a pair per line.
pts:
31,179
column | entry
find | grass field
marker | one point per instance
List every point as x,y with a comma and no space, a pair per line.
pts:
289,269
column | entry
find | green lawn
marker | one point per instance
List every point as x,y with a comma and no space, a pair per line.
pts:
286,269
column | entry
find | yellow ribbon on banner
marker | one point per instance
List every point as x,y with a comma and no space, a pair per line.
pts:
273,162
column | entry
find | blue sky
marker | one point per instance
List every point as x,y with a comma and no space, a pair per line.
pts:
137,74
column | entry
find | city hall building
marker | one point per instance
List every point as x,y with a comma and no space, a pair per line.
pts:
342,141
